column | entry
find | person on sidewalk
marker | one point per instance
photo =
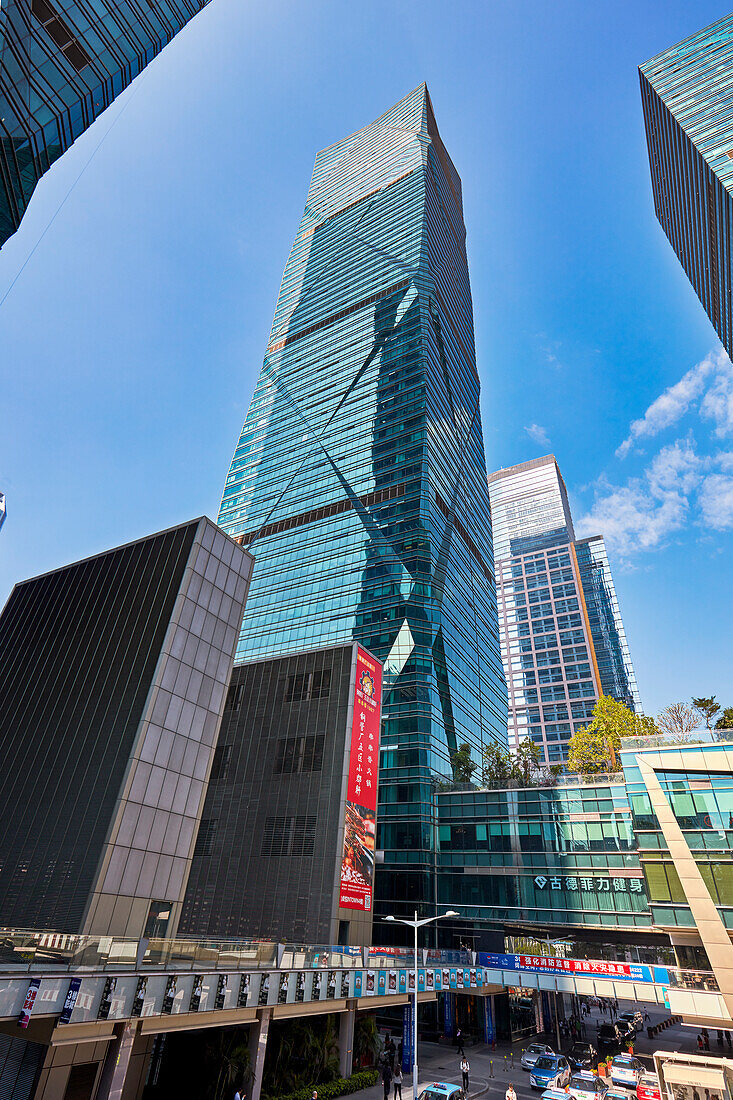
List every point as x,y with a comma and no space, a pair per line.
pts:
398,1081
510,1094
386,1079
459,1043
464,1073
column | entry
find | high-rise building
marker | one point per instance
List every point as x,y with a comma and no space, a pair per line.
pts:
687,96
61,63
562,638
360,476
115,672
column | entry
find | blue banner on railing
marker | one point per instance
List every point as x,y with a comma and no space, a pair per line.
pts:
407,1037
588,968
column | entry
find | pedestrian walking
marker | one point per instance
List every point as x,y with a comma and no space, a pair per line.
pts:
706,1037
647,1017
391,1051
459,1043
238,1095
464,1073
398,1081
700,1043
510,1094
386,1079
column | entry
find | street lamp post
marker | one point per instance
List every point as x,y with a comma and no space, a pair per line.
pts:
415,924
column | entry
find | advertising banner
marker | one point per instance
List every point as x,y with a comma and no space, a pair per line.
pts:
30,999
403,981
548,964
357,864
407,1038
70,1002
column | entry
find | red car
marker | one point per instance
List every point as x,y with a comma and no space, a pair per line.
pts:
648,1087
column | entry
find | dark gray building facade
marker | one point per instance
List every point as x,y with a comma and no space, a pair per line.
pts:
268,858
114,673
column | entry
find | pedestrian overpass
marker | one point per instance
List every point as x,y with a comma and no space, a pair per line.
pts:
66,991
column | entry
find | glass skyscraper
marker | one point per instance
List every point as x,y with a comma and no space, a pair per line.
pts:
359,479
687,96
562,637
61,63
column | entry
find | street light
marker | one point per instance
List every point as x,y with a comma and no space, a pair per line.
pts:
417,924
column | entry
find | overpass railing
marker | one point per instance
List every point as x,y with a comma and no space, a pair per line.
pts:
57,951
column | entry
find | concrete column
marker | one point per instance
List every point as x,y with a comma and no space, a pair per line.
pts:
347,1020
116,1063
257,1049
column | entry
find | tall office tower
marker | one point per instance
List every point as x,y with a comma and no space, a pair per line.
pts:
562,638
61,63
687,96
359,478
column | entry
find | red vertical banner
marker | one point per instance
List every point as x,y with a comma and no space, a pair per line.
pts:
357,865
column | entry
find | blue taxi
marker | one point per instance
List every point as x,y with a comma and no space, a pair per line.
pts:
441,1090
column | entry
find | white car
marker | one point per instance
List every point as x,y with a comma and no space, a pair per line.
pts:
586,1086
626,1070
533,1052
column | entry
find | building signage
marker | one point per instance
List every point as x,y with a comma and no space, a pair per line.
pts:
587,883
70,1002
548,964
357,865
30,999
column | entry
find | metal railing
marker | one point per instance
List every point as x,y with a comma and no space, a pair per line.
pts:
680,740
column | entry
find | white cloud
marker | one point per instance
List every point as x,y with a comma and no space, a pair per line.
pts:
716,502
641,514
677,487
538,435
717,404
711,379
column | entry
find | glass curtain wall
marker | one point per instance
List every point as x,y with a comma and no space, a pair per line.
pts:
359,479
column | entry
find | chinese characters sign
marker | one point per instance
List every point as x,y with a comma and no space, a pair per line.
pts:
357,865
585,884
549,964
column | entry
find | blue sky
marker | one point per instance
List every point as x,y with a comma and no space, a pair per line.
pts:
132,337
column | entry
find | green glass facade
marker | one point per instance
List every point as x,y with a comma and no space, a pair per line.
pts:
543,857
702,804
359,479
687,96
61,63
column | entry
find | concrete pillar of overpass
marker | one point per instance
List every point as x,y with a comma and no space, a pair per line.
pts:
116,1062
257,1050
347,1021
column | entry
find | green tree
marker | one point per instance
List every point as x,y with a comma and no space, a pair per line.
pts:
462,764
706,707
594,748
526,762
725,722
496,765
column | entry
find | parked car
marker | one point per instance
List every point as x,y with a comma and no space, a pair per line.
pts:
550,1071
609,1039
555,1094
615,1093
626,1030
583,1056
634,1018
626,1070
533,1052
586,1086
648,1087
